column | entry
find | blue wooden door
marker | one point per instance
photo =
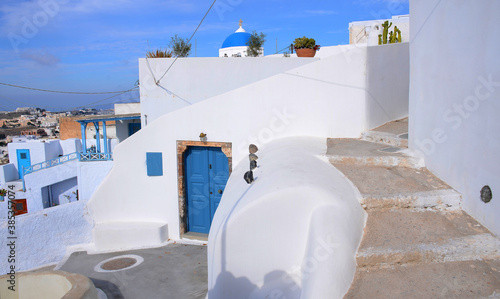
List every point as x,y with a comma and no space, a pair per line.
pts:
133,128
207,171
23,161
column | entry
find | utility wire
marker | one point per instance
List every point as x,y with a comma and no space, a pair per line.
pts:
16,103
128,101
287,48
73,108
125,91
213,3
58,91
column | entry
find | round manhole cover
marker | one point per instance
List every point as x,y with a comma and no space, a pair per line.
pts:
119,263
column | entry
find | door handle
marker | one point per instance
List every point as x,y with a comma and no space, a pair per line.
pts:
220,191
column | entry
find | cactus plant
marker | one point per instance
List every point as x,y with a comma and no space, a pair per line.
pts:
396,30
386,26
394,36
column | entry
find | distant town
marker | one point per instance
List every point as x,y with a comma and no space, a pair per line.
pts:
35,123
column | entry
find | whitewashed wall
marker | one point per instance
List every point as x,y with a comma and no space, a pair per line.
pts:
191,80
38,151
326,97
70,145
455,97
127,108
37,180
387,83
42,237
8,172
122,128
90,175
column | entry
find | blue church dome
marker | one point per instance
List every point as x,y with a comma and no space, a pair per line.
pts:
237,39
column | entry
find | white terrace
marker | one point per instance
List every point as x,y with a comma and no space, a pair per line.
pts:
297,229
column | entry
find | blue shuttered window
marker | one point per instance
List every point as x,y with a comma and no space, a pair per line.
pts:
154,162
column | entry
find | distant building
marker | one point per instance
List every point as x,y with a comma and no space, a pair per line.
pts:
26,109
34,132
235,45
366,32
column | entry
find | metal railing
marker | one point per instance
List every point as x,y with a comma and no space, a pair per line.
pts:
95,157
358,37
50,163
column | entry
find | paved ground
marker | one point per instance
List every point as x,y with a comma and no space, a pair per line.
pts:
174,271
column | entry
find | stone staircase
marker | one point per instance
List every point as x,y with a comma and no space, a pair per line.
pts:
418,242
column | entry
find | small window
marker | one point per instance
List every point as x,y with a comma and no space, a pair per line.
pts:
23,155
19,206
154,162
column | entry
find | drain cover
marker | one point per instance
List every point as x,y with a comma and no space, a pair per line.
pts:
119,263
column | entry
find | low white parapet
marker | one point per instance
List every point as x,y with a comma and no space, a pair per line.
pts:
117,236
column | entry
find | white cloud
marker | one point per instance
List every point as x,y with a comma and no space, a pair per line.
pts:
46,58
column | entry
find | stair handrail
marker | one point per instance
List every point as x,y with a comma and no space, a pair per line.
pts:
50,163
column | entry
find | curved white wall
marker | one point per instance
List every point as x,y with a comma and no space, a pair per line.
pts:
455,97
293,233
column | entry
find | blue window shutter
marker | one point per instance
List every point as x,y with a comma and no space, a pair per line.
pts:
154,162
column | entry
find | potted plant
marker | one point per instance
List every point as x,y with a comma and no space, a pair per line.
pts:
3,192
305,47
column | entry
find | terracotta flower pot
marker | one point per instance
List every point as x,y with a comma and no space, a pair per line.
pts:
305,52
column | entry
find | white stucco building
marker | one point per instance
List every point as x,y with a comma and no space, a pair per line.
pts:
48,173
368,31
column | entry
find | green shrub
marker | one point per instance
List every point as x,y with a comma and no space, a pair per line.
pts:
159,54
304,43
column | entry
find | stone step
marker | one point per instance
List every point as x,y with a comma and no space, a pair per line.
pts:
447,199
400,140
461,279
396,237
426,254
394,133
400,187
360,152
470,248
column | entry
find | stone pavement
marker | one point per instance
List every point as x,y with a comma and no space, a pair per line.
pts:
174,271
418,242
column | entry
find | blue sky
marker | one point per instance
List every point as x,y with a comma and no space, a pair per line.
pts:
94,45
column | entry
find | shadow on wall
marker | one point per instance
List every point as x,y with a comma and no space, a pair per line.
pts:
243,288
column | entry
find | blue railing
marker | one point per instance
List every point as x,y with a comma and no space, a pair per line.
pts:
50,163
96,157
